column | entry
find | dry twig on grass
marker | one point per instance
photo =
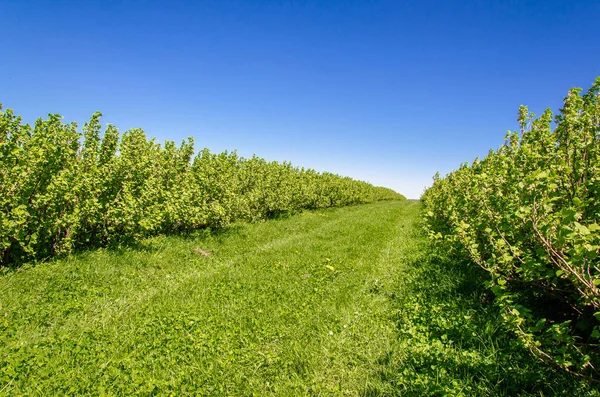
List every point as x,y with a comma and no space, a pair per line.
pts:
201,252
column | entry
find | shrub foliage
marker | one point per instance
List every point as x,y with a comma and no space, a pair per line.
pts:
529,214
61,188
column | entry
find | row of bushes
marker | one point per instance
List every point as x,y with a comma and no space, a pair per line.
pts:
529,215
61,188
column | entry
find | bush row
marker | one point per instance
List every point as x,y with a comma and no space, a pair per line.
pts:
61,188
529,214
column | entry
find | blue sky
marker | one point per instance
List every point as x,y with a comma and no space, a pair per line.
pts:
384,91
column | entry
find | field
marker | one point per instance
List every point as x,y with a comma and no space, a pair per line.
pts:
342,301
300,198
130,267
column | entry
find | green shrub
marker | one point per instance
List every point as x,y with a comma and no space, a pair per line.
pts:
62,189
528,213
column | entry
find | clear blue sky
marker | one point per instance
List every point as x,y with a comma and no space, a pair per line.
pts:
385,91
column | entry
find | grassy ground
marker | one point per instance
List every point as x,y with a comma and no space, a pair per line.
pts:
347,301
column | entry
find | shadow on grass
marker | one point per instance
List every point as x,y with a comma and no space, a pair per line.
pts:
144,245
149,245
451,341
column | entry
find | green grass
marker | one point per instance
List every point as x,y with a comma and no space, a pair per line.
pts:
347,301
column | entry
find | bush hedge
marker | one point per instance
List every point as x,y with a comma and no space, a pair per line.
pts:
529,214
61,189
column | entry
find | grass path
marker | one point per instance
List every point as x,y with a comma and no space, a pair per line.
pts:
342,301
